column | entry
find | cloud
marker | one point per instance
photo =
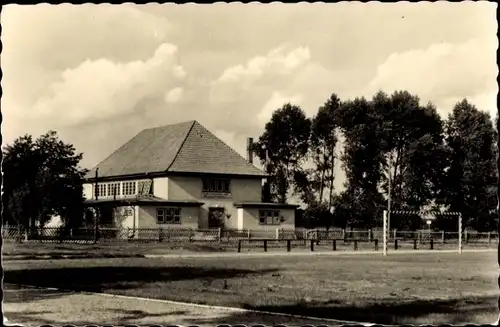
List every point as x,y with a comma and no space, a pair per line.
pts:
276,101
174,95
275,61
102,89
240,92
88,31
269,70
442,73
101,73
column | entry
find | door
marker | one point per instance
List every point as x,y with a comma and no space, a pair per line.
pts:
215,217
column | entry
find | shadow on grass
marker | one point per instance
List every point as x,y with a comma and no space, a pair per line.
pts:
456,311
19,294
33,317
98,279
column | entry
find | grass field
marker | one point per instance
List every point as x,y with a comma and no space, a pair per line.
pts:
116,249
421,288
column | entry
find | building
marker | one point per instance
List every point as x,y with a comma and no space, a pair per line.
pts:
181,175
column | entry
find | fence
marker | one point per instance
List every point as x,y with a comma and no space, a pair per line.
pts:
91,235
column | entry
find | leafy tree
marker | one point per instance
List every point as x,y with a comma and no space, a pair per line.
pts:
42,179
412,136
470,174
362,160
323,142
282,149
318,214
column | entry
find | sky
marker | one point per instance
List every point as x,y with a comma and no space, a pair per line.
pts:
99,74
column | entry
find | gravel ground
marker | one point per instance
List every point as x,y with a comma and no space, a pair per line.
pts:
31,306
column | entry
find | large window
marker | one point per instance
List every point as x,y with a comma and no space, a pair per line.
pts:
129,188
113,189
269,217
168,215
145,187
216,185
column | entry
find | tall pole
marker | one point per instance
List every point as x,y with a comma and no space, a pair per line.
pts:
96,220
389,194
385,232
459,233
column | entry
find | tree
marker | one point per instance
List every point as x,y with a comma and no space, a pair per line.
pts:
412,137
323,142
282,149
319,215
470,174
42,179
362,159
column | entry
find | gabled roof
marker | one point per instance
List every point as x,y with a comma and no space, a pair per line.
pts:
186,147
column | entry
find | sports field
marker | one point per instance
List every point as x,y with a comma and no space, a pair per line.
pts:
417,288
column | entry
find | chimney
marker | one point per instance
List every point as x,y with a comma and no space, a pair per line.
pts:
250,150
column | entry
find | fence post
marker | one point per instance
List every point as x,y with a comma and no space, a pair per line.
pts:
466,237
355,244
432,244
394,233
312,245
160,235
370,235
343,234
288,245
414,244
395,244
277,233
239,245
219,234
376,244
248,234
265,245
334,245
489,237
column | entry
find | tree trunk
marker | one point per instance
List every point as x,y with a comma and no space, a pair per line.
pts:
332,173
322,179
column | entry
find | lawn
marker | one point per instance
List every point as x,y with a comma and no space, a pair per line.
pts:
420,288
138,249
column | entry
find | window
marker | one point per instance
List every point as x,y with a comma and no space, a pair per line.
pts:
100,190
219,185
129,188
168,215
113,189
269,217
145,187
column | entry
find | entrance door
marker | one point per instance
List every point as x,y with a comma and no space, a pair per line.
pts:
215,217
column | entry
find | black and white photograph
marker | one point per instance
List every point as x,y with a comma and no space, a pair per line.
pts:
292,164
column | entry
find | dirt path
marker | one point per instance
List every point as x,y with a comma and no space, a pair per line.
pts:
309,253
30,306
